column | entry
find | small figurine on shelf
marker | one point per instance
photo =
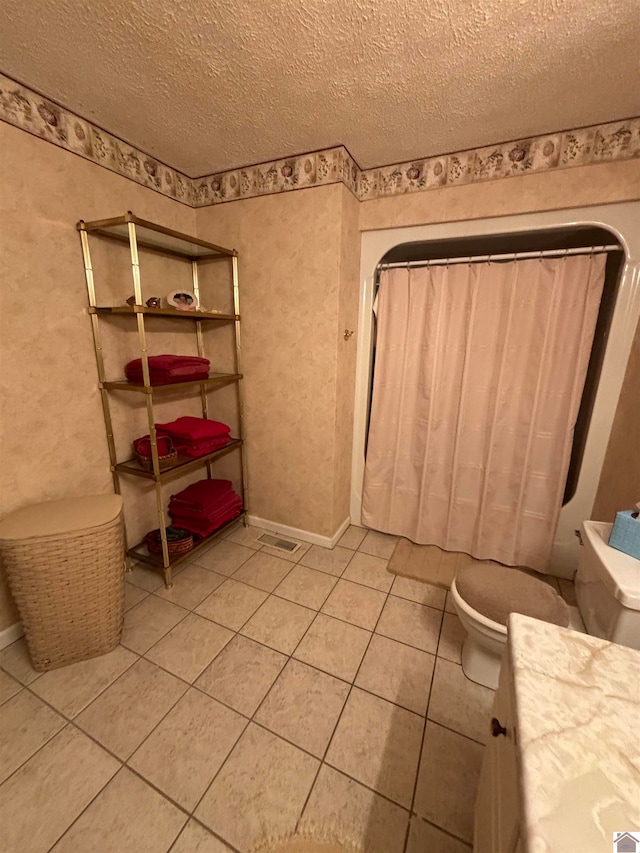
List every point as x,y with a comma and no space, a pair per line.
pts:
182,300
152,301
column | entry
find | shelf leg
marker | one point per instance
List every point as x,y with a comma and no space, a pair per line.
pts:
162,525
240,387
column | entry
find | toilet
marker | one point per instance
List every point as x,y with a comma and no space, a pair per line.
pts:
607,587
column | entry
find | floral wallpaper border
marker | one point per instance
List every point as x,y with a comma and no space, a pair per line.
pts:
332,166
29,111
619,140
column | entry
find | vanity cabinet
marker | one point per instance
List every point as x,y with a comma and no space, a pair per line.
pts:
497,822
561,771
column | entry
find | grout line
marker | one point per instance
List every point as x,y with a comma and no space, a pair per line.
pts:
155,643
39,749
441,829
72,717
188,685
424,729
67,724
252,718
251,551
345,621
79,815
198,603
359,782
206,829
124,765
335,728
454,731
165,796
296,660
236,632
159,790
328,615
71,721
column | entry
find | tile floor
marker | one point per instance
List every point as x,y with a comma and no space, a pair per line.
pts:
258,694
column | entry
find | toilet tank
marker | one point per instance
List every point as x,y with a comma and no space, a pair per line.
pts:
608,588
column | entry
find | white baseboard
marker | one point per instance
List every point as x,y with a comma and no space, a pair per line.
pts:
10,635
297,533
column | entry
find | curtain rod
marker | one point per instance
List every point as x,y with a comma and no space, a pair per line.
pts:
509,256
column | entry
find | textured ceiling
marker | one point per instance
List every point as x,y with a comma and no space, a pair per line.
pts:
206,86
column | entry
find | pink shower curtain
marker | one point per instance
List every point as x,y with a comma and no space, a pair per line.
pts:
478,377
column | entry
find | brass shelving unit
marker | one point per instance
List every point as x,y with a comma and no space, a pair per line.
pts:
134,232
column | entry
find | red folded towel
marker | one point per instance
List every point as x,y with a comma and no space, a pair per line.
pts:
178,511
169,363
196,436
204,491
185,511
199,448
155,379
179,372
203,529
166,369
202,495
193,429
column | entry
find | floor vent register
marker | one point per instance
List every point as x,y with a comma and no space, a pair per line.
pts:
280,544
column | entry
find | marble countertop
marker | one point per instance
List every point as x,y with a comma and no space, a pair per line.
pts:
577,717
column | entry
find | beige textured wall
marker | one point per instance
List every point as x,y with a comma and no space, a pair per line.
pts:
346,355
619,486
290,275
52,439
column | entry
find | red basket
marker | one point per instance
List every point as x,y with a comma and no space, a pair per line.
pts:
179,541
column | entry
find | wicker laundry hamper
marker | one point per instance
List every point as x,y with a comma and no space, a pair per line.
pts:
65,565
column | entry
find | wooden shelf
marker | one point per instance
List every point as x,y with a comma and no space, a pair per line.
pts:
216,380
133,467
131,310
139,551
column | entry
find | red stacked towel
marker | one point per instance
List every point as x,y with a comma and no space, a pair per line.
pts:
166,369
195,436
205,506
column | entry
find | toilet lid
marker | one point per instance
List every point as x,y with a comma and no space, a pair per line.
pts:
496,591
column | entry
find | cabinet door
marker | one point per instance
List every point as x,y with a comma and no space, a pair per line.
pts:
497,806
486,813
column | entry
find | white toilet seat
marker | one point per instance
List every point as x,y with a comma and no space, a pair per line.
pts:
483,645
608,599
